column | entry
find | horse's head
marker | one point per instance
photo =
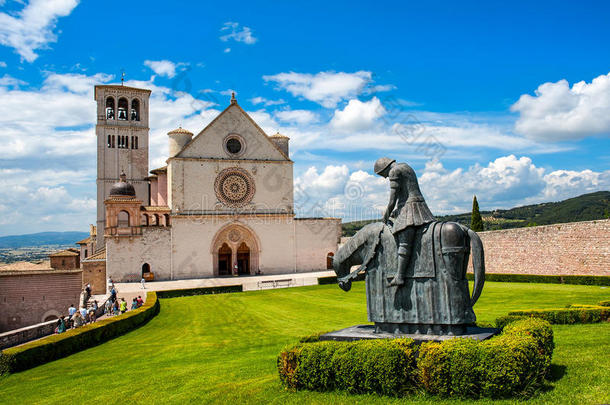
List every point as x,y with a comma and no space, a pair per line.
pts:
358,249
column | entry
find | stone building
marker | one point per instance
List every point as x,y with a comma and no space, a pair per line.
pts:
68,259
33,293
223,201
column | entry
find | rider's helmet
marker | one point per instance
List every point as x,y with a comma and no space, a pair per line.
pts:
382,163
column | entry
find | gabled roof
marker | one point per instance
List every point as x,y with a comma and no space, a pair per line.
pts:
233,104
84,241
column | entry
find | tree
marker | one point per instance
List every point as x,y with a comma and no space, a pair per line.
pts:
476,222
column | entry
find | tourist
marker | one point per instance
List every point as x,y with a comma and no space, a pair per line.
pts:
235,270
110,283
140,301
123,306
94,306
92,317
78,320
116,307
88,290
134,304
143,283
71,310
61,326
108,307
113,294
83,313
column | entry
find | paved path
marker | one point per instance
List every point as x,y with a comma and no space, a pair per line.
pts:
128,290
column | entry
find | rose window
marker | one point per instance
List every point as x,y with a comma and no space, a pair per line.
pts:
234,187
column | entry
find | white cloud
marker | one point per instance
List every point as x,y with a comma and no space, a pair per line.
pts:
505,182
299,117
227,50
266,102
10,81
558,112
233,28
2,64
325,88
358,115
163,67
32,28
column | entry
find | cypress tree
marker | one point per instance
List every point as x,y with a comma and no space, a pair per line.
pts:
476,222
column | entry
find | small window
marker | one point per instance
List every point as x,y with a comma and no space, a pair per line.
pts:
234,146
110,141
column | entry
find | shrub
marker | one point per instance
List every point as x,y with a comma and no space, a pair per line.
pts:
187,292
567,316
74,340
510,364
383,366
535,278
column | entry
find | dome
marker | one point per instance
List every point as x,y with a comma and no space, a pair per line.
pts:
122,188
180,130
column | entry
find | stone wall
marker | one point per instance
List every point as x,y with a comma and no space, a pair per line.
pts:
94,273
28,297
22,335
578,248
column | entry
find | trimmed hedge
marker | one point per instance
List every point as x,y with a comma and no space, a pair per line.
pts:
54,347
535,278
573,314
513,363
333,279
187,292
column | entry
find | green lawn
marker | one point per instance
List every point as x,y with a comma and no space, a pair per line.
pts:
222,348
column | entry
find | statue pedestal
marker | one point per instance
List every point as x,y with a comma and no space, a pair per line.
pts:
359,332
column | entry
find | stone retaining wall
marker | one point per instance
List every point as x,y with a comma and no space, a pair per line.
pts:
19,336
575,248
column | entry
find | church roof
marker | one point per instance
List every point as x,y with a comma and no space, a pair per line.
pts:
234,104
101,255
84,241
159,170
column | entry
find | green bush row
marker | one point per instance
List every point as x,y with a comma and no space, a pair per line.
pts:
333,279
200,291
561,316
506,365
535,278
55,347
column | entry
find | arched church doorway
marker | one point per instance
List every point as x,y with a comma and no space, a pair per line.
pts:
235,244
145,269
243,259
224,260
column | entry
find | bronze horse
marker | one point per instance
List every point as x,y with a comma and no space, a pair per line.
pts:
435,298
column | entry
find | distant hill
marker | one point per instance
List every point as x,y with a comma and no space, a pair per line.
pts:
586,207
41,239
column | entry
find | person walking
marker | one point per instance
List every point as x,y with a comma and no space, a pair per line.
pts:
71,311
108,307
116,307
61,326
139,301
83,312
143,283
134,304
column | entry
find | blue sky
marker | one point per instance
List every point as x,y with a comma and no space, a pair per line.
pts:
509,103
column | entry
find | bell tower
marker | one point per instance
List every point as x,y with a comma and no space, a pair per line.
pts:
122,143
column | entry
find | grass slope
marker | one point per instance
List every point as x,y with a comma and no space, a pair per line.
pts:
222,348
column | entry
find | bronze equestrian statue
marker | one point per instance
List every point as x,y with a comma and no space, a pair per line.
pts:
415,266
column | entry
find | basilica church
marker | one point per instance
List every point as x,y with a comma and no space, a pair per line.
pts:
222,204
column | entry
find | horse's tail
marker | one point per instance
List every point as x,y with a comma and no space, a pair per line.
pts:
478,265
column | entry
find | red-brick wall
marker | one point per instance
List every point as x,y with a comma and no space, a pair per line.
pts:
95,274
65,262
27,299
562,249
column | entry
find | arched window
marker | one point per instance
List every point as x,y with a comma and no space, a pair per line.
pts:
135,110
136,139
110,141
329,260
145,269
144,220
123,219
122,111
110,108
157,220
166,219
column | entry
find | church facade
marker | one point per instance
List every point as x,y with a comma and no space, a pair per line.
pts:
222,205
